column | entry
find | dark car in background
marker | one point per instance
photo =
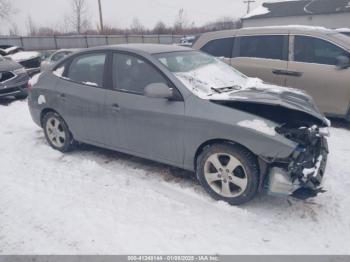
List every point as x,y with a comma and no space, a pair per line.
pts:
30,60
13,79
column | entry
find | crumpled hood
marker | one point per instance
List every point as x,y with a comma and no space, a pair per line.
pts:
259,92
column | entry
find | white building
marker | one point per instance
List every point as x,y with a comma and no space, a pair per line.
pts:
326,13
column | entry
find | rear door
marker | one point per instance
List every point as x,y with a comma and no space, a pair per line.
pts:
81,95
262,56
315,60
150,127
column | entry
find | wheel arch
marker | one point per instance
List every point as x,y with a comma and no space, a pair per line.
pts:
45,111
217,141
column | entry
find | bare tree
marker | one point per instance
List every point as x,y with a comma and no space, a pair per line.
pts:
181,21
136,27
160,28
223,23
32,29
78,17
5,9
13,30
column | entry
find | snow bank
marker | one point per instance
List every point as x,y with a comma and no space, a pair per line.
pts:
95,201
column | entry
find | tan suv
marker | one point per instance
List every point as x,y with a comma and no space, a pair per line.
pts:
309,58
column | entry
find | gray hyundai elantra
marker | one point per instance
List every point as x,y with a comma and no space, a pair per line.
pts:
184,108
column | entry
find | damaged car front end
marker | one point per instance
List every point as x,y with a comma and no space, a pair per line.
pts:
301,174
264,112
297,119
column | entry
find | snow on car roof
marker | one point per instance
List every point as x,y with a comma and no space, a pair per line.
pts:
22,56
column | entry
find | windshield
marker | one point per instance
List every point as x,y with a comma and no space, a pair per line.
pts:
202,74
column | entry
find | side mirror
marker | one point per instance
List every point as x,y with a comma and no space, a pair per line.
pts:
343,62
158,90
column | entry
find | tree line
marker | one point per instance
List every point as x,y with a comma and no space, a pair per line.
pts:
77,22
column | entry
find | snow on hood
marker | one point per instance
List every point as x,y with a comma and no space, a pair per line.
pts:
220,82
205,80
22,56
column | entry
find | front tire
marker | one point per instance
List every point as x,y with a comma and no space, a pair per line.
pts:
57,132
228,172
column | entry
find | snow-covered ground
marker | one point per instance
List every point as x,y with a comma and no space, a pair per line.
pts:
100,202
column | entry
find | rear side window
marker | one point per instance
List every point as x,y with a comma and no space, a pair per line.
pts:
314,50
269,47
88,69
133,74
220,47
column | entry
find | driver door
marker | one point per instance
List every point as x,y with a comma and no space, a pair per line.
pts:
149,127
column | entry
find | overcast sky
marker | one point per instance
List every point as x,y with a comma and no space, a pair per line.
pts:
121,12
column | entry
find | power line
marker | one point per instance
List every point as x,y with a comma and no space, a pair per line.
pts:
101,18
248,2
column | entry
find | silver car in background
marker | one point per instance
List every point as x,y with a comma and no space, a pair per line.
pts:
55,57
184,108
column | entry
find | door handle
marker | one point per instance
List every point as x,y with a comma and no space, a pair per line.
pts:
115,108
287,73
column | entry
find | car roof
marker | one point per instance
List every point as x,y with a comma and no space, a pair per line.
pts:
146,48
288,29
275,29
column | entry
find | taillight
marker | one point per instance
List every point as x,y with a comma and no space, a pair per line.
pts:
29,86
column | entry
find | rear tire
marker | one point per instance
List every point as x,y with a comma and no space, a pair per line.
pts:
228,172
57,132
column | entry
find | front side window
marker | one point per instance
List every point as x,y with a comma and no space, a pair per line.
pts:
133,74
314,50
269,47
88,69
219,47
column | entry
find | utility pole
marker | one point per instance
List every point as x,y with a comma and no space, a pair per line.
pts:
101,18
248,2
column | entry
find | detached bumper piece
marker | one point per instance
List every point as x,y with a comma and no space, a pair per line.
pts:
302,174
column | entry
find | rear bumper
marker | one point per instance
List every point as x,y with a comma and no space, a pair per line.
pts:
18,89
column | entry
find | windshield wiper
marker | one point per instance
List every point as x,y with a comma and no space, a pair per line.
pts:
217,90
226,89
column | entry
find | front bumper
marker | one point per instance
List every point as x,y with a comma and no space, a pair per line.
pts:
301,175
